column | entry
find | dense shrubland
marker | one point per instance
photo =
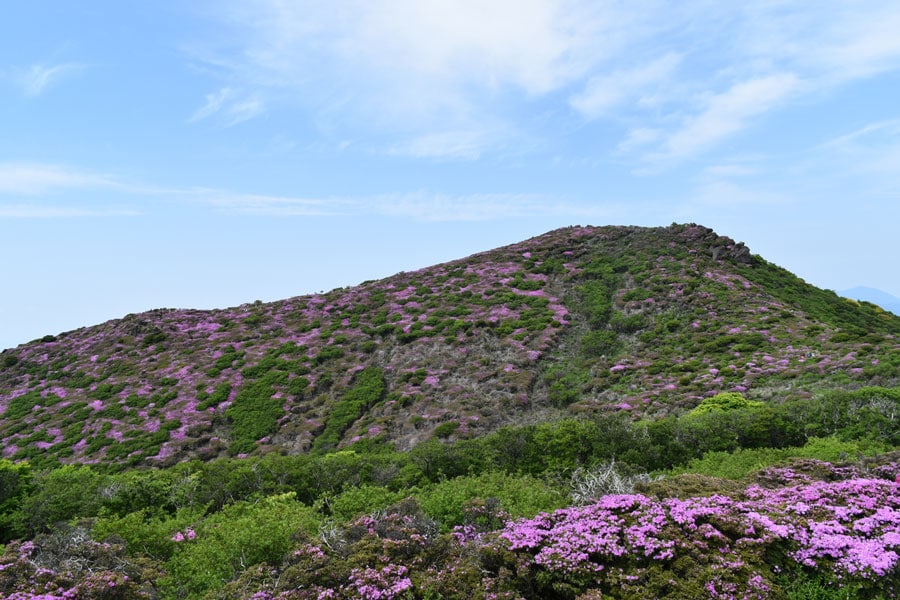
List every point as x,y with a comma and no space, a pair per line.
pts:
673,507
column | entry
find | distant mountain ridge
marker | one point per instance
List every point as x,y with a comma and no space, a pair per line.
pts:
875,296
580,320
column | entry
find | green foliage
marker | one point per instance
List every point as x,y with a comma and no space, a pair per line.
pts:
367,391
219,395
602,342
445,430
21,406
255,412
237,537
724,401
797,584
15,484
144,533
742,462
518,495
868,412
58,495
357,501
566,383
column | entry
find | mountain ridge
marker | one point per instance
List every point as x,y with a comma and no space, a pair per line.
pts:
881,298
580,320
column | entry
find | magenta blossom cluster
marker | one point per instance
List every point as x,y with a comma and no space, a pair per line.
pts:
187,534
851,528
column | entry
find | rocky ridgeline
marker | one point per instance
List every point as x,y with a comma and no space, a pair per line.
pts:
579,320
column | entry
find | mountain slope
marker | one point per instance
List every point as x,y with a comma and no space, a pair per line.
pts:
579,320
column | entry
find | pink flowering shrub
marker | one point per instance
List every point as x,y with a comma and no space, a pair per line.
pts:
66,566
625,544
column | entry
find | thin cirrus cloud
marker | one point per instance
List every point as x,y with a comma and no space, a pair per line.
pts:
608,92
871,149
417,206
30,211
36,181
230,106
467,144
726,113
38,78
34,190
32,179
431,207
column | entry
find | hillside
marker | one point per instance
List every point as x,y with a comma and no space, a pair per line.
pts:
581,320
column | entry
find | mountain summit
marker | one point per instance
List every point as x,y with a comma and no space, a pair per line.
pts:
643,321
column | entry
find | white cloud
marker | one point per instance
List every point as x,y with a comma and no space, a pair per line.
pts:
444,73
833,41
433,207
728,193
881,129
36,79
641,136
413,70
449,144
607,92
264,205
213,105
29,179
27,211
418,206
730,170
728,113
231,106
873,149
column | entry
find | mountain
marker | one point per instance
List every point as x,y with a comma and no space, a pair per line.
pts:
581,320
877,297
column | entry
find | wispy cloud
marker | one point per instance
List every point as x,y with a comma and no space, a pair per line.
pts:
231,106
730,170
29,211
35,181
873,149
727,113
38,78
881,129
416,206
41,190
267,205
463,144
729,193
30,179
607,92
423,206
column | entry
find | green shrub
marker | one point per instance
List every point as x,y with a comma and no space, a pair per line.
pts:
369,389
234,539
518,495
255,412
365,499
724,401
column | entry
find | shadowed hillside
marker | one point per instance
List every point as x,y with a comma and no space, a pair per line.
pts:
582,320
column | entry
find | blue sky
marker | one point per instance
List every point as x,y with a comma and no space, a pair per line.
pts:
210,153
